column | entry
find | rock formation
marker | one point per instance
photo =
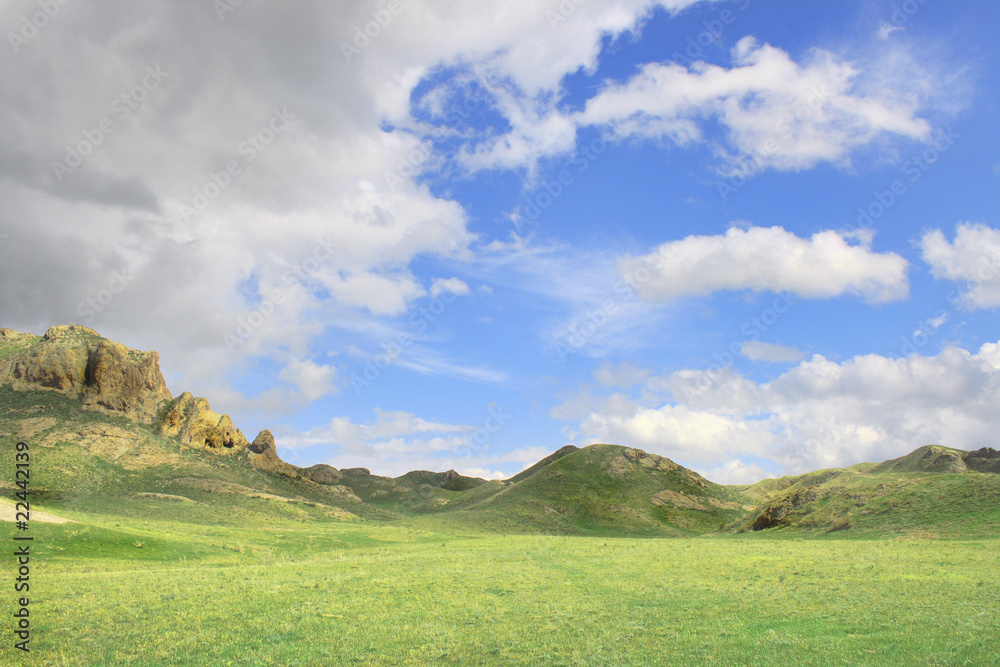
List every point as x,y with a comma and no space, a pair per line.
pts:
986,459
263,454
75,360
190,420
111,378
322,474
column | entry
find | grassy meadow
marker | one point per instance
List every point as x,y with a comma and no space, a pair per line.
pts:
131,587
177,557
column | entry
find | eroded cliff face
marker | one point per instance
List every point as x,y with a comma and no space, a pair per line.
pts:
74,360
108,377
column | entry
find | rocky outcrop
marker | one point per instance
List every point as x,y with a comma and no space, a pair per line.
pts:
780,512
986,459
111,378
263,454
125,381
191,421
9,336
630,460
75,360
322,474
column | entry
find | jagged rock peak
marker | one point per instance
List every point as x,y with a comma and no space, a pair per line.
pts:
191,421
263,443
263,453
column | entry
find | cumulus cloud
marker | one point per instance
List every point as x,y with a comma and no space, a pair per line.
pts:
313,380
271,176
773,112
767,259
776,113
456,286
819,414
760,351
736,471
973,258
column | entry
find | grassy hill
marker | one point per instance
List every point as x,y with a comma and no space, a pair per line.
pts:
601,490
935,491
84,460
320,566
108,433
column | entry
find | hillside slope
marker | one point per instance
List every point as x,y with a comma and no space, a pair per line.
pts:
933,490
103,428
106,432
602,490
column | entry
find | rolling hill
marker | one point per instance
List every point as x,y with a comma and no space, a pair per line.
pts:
108,432
934,490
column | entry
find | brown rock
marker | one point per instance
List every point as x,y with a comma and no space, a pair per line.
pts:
124,381
323,474
75,360
111,378
9,336
986,459
263,453
191,421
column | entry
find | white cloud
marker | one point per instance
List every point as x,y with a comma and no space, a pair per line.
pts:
735,471
382,295
818,414
777,113
396,423
334,171
760,351
313,381
454,285
972,258
767,259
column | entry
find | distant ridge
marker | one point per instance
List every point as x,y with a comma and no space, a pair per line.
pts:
110,428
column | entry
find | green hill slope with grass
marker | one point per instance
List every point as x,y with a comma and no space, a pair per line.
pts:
933,491
604,490
85,461
108,435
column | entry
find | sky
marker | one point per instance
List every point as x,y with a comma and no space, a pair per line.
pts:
757,237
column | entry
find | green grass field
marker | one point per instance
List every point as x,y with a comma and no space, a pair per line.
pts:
128,588
598,556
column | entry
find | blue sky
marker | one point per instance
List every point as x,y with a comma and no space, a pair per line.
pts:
758,238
